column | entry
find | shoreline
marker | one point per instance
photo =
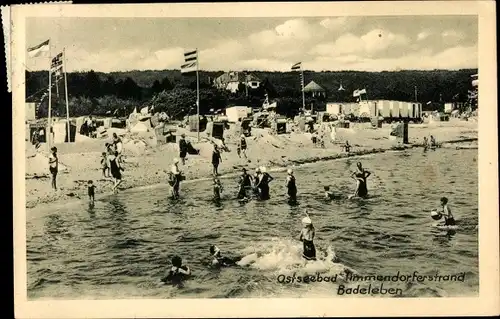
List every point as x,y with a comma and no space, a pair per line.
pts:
272,164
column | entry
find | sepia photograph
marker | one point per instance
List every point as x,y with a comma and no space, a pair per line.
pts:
246,156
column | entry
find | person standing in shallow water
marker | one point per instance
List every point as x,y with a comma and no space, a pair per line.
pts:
54,166
263,183
176,178
245,182
115,169
291,186
307,237
360,175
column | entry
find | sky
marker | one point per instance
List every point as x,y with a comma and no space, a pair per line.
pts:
375,43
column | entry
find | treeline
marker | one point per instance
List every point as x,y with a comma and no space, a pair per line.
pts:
119,92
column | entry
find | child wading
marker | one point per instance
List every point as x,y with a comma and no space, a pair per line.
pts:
91,191
104,165
217,189
54,166
307,237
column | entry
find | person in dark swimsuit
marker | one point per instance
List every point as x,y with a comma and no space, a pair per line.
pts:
54,166
217,189
91,191
263,184
307,237
183,148
243,146
216,160
177,273
115,169
244,183
449,220
291,186
360,175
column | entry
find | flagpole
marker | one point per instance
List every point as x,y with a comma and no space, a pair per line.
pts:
197,95
66,93
303,95
49,134
416,100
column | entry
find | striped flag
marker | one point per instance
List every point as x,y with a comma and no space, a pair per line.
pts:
57,62
38,50
297,66
190,61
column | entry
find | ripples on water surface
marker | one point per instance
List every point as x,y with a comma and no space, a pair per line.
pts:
123,245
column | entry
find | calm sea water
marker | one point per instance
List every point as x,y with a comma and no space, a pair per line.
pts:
122,246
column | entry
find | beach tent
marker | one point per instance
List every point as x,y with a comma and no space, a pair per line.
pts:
215,129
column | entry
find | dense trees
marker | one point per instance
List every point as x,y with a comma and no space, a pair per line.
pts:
169,91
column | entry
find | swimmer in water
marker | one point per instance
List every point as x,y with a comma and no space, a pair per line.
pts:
449,220
291,186
307,237
218,260
328,193
177,273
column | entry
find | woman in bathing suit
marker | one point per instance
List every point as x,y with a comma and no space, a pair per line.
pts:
360,175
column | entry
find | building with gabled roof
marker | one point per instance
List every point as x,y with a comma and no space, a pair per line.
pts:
231,80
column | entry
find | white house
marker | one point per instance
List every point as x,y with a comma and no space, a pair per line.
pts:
231,80
235,113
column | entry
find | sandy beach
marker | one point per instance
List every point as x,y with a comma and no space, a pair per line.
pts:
148,165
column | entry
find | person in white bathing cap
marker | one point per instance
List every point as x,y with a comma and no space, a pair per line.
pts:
307,237
291,186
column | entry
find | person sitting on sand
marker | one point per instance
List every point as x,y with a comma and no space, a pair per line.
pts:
218,259
242,146
449,220
91,191
263,183
245,182
115,169
216,160
307,237
177,273
291,186
53,166
360,175
217,189
328,193
104,165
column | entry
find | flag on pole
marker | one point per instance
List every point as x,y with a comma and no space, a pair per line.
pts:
57,63
296,66
38,50
190,61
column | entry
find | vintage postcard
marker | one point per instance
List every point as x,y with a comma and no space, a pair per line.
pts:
255,159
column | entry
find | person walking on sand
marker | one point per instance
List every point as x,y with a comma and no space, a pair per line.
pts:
183,148
360,175
291,186
115,169
242,146
216,160
53,166
176,178
307,237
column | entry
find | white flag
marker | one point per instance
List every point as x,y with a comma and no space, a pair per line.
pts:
355,93
38,50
